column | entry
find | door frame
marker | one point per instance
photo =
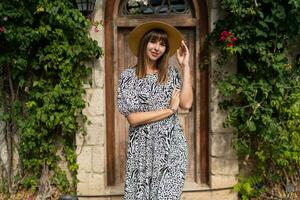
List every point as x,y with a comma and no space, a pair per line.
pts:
111,23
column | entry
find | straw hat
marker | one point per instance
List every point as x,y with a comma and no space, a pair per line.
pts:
135,36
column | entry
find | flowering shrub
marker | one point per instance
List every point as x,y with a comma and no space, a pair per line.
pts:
227,38
264,109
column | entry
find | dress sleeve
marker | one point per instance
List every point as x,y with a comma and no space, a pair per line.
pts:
176,78
127,99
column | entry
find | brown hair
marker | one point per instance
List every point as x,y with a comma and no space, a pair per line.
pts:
162,62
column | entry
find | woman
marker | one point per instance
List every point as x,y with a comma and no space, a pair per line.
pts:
149,95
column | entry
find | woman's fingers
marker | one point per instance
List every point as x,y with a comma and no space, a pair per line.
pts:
176,92
182,54
185,48
182,49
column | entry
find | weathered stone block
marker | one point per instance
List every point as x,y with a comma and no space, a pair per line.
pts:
214,15
221,181
98,75
218,117
84,158
221,146
96,183
195,196
95,132
221,166
224,195
90,183
98,159
83,177
94,102
82,189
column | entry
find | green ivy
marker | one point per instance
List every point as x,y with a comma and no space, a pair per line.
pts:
42,48
264,104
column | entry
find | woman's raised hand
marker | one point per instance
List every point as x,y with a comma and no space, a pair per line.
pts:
174,103
183,55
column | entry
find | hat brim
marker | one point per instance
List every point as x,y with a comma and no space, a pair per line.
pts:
135,36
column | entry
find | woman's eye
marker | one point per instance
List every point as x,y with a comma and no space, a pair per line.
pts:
155,41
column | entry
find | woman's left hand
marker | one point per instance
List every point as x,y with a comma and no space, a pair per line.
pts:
183,55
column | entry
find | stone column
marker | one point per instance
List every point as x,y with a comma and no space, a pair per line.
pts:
223,159
91,147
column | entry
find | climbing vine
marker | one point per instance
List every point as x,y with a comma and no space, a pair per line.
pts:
264,104
43,46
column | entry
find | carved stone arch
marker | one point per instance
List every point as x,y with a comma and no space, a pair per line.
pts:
195,27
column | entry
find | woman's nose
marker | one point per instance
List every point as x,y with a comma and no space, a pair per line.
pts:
156,46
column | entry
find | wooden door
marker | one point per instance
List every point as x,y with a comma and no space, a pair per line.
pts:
126,59
194,121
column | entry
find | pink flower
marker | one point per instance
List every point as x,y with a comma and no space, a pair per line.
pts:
227,38
225,34
222,38
96,29
2,29
233,39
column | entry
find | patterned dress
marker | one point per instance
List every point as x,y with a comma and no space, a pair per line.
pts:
157,152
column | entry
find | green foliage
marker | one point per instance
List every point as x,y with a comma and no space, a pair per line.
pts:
42,46
3,187
60,179
264,108
30,183
250,186
71,157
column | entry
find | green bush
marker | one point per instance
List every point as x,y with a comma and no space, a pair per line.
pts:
264,104
42,48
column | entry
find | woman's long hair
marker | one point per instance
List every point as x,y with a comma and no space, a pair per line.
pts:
162,62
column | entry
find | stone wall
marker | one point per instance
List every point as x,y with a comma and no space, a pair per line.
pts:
91,148
223,160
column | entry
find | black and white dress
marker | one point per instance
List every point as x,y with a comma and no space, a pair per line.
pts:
157,152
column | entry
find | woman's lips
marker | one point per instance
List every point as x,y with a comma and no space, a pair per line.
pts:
154,54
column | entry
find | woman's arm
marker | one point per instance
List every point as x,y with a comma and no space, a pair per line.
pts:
139,118
186,95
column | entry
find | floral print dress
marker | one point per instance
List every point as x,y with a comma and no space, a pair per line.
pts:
157,152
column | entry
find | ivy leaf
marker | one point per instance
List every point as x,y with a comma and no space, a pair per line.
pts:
250,125
261,33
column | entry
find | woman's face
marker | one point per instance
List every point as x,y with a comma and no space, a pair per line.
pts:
155,49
